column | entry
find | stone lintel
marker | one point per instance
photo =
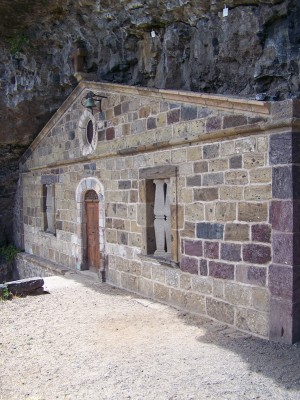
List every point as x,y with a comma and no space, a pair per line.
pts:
161,172
49,179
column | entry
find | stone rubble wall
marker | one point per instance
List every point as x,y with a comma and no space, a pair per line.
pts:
222,193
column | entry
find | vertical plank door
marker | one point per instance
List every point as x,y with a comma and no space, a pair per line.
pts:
92,232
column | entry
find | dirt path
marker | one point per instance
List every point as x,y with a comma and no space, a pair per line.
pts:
90,341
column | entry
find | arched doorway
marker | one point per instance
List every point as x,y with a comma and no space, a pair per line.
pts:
92,231
86,188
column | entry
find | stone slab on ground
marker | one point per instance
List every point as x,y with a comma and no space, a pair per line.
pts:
25,286
87,340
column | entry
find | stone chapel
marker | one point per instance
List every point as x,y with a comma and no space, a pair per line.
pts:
190,199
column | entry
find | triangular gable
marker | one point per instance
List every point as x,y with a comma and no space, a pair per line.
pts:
139,119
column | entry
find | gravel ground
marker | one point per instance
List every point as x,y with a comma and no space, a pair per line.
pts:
85,340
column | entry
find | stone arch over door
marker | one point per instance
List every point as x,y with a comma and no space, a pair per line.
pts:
85,185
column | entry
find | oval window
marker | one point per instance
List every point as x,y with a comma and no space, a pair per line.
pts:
90,132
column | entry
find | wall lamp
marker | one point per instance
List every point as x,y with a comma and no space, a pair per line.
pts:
89,101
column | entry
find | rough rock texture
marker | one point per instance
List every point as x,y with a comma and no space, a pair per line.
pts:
255,49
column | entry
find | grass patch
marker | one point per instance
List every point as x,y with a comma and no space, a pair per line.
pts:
18,43
8,252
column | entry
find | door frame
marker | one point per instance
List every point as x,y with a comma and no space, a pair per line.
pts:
84,185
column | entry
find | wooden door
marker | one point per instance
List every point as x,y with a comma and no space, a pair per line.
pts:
92,230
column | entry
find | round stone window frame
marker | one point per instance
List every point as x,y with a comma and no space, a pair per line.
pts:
86,146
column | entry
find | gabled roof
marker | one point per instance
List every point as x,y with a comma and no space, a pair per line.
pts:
221,102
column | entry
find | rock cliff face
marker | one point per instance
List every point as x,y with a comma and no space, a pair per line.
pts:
254,49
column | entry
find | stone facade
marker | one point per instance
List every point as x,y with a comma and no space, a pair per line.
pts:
230,167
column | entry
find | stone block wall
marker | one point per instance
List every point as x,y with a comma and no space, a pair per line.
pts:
234,201
223,194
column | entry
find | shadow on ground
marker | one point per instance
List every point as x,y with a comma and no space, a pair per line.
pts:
277,361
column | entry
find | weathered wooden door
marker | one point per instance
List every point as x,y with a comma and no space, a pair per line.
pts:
92,230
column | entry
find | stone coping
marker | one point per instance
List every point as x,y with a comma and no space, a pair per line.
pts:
228,103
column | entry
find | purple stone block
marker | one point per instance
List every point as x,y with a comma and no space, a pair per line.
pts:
193,247
208,230
256,253
282,182
252,275
118,110
211,250
151,123
281,321
204,112
110,133
281,281
188,112
213,124
173,116
255,120
221,270
281,215
234,120
203,267
231,251
282,244
261,233
188,264
281,149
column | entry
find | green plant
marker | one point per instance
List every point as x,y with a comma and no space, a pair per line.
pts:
5,293
17,43
8,252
